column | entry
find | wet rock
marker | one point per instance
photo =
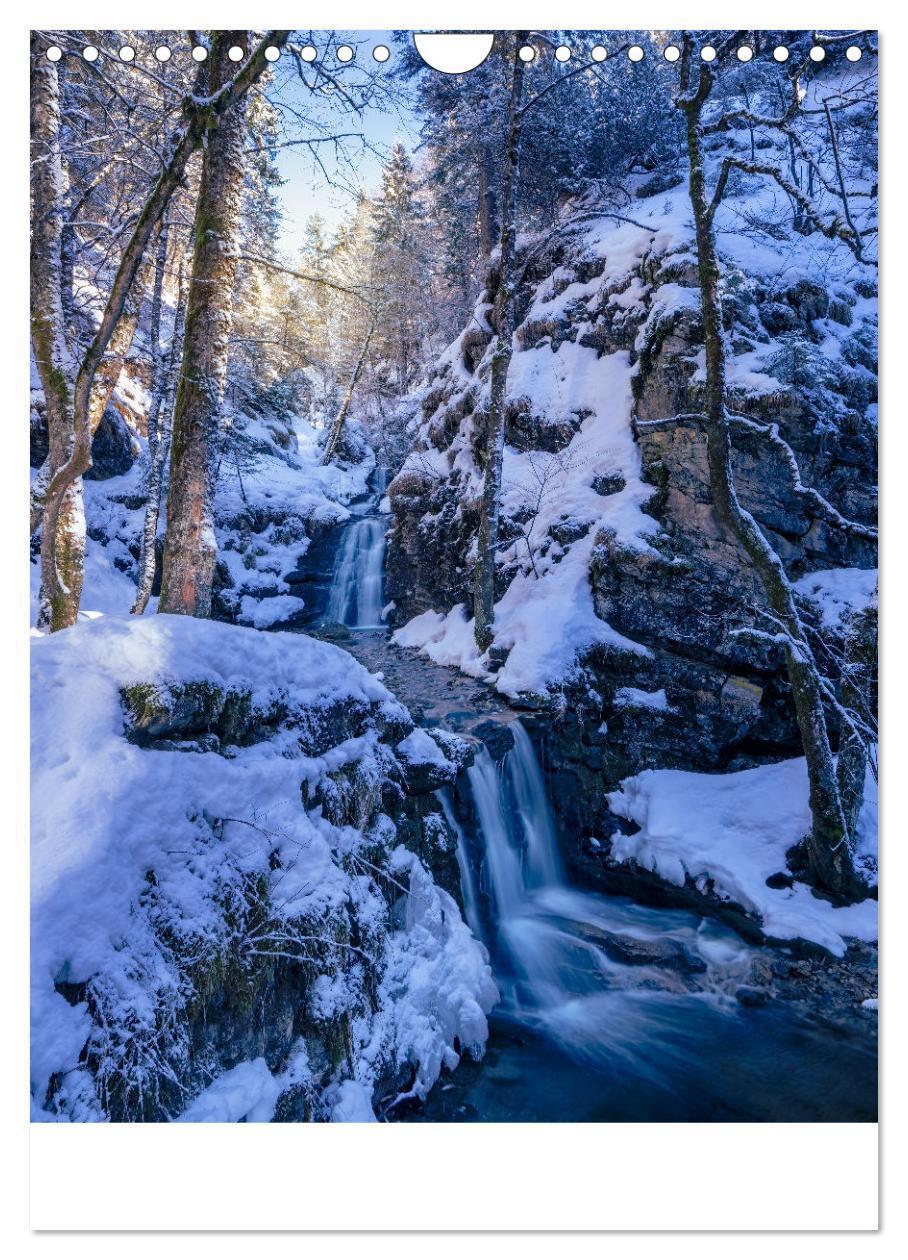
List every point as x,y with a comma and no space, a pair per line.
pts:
497,737
748,996
639,952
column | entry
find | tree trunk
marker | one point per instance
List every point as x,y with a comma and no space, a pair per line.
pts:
190,547
828,846
338,428
160,420
503,319
59,604
51,498
855,689
488,210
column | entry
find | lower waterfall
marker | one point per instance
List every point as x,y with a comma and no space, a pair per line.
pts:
601,976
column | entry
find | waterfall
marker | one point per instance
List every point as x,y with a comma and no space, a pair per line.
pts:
554,947
356,598
357,583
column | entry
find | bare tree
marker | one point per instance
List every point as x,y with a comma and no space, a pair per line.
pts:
70,414
160,423
190,548
49,341
833,808
503,322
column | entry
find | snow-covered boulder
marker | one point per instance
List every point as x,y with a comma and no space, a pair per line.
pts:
225,923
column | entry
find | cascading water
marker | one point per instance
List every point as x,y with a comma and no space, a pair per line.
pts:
555,948
356,596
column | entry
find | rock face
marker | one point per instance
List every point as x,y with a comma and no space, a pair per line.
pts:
698,695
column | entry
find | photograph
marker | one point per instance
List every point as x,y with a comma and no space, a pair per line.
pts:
453,545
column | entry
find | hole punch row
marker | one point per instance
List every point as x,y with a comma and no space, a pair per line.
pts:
527,53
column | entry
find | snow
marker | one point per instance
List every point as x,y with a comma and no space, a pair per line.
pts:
102,821
634,698
447,639
288,488
449,986
420,749
247,1092
839,592
546,619
733,830
267,612
353,1105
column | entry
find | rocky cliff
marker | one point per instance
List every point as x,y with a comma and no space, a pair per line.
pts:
610,540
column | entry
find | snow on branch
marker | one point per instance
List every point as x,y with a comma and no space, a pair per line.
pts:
827,512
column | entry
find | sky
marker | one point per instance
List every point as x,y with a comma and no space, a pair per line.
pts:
353,165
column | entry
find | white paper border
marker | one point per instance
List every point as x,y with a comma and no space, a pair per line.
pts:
431,1177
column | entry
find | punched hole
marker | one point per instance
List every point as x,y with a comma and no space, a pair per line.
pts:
781,53
272,53
54,53
635,52
127,53
853,53
598,53
381,52
236,53
199,53
345,53
90,53
562,53
308,53
526,53
745,53
818,53
162,53
708,53
672,53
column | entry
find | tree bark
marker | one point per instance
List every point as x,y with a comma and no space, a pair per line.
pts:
855,688
190,547
488,210
829,843
51,496
160,420
503,319
59,604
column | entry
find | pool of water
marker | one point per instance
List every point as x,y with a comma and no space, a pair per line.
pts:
752,1065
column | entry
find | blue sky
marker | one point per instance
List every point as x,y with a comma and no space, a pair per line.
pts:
358,165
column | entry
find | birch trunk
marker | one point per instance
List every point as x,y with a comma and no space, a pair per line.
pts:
160,420
340,420
503,319
190,547
48,332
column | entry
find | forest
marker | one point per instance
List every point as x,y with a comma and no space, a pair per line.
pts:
453,525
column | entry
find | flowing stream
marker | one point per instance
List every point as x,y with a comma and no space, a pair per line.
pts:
600,976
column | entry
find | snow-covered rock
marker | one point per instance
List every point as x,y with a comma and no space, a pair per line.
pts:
728,834
215,840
